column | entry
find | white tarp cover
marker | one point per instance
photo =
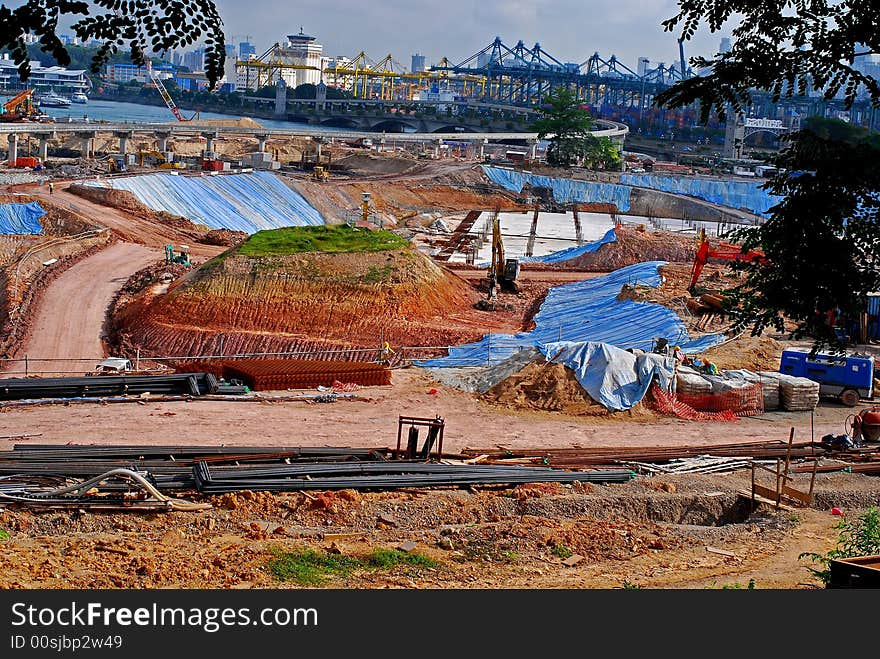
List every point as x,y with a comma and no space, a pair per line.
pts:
613,377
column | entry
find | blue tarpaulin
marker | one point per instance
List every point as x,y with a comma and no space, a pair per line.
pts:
735,194
588,311
571,252
21,218
613,377
241,202
564,190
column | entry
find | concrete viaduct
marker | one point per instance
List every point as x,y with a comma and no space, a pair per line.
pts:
162,132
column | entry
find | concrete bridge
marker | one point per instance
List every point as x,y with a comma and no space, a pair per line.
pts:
400,116
162,132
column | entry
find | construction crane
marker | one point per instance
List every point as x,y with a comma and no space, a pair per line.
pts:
167,98
724,251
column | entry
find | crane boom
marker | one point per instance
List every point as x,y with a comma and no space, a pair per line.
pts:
167,97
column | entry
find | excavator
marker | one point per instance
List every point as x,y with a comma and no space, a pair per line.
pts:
160,160
724,251
20,107
503,273
182,255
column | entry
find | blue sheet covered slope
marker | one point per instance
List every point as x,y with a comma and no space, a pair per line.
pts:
587,311
735,194
572,252
242,202
564,190
21,218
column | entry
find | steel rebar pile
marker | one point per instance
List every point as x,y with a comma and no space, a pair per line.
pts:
192,384
385,475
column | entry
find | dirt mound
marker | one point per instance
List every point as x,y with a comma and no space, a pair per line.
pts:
301,301
756,353
634,246
224,237
363,164
241,122
58,221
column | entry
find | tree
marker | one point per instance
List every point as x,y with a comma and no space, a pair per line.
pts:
821,241
601,152
566,124
141,25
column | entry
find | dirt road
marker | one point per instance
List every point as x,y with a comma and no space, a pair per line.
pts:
69,319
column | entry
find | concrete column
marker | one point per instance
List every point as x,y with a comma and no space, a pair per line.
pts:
381,144
261,141
87,143
44,148
123,141
533,149
437,146
482,148
209,144
13,148
318,142
162,139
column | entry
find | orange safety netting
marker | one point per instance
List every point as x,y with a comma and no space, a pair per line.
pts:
668,404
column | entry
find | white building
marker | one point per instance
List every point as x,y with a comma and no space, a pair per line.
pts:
43,79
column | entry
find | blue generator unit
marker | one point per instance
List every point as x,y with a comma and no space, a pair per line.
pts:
848,378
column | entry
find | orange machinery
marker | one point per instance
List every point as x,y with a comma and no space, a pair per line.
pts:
723,251
19,107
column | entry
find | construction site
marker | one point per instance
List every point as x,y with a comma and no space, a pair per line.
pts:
292,347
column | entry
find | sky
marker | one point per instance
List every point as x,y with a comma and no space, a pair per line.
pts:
570,30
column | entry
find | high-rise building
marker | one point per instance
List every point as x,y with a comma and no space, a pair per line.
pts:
418,63
245,49
177,58
725,45
643,65
483,60
195,59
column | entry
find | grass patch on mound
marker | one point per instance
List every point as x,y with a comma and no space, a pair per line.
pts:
308,567
333,239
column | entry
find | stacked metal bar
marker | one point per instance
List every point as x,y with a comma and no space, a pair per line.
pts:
273,374
192,384
385,475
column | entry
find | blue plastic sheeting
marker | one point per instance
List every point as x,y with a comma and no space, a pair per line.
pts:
241,202
572,252
564,190
21,218
588,311
613,377
735,194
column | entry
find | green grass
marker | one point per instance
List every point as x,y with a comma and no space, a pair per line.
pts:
308,567
333,239
4,535
562,551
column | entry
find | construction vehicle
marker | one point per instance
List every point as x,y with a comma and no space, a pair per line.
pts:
502,274
723,251
181,257
159,160
117,164
320,173
20,107
849,378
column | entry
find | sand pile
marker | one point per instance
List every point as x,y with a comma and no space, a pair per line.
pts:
755,353
545,386
634,246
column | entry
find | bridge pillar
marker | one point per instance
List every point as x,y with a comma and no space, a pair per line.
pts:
261,141
13,148
87,150
533,149
734,136
280,98
162,139
437,145
209,136
124,136
482,148
44,147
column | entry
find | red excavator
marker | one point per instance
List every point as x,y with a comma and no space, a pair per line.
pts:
724,251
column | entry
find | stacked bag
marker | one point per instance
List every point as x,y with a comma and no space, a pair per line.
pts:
691,383
797,394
